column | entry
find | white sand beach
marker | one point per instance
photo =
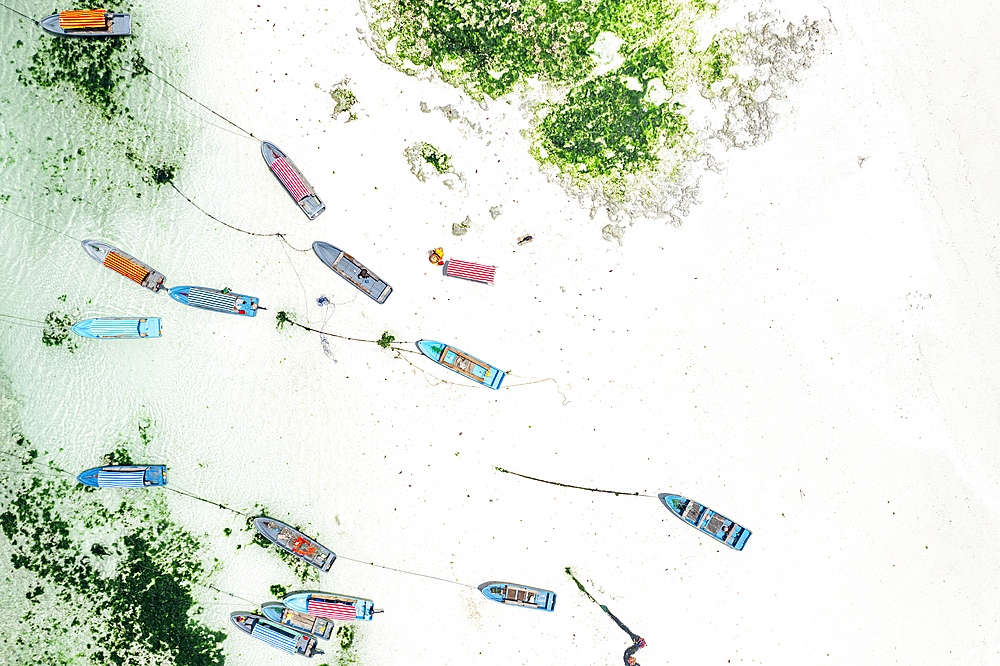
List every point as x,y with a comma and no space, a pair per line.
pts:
812,353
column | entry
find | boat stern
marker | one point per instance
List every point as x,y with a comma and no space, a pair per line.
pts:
312,206
149,328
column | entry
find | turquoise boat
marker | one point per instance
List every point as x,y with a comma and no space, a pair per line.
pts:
107,328
278,612
706,520
124,476
462,363
277,636
216,300
331,606
519,595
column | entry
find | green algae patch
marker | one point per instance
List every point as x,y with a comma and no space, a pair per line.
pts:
57,331
434,157
303,571
97,70
109,574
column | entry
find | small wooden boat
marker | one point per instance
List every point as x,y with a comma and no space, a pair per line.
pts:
88,23
708,521
353,271
317,626
519,595
295,542
106,328
125,264
284,638
124,476
331,606
216,300
462,363
292,180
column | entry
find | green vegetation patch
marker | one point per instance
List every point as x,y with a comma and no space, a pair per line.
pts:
109,574
303,571
57,330
435,157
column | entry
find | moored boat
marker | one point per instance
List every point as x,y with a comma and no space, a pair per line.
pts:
295,542
277,636
88,23
123,263
124,476
107,328
519,595
462,363
298,188
353,271
216,300
330,605
706,520
278,612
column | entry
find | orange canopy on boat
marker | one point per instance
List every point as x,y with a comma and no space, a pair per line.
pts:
84,18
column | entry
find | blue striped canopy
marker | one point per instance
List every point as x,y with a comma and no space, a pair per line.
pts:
120,479
212,300
274,638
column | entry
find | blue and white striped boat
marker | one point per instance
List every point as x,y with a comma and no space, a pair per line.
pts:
706,520
124,476
214,299
106,328
285,639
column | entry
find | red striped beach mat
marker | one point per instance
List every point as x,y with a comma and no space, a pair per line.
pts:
289,178
470,271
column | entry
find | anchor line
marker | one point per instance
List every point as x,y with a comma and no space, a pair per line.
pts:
206,501
20,14
566,485
638,642
28,219
411,573
14,323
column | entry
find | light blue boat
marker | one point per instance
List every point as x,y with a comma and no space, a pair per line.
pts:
124,476
706,520
519,595
277,636
278,612
462,363
331,606
216,300
106,328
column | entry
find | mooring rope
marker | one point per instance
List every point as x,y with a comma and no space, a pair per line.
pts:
566,485
179,491
638,642
28,219
20,14
14,323
412,573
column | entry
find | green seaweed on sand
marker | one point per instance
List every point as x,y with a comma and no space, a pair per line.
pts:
284,318
279,591
57,331
346,634
386,340
303,571
95,69
435,157
163,174
113,567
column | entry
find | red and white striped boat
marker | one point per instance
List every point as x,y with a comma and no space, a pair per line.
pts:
292,180
88,23
470,271
331,606
123,263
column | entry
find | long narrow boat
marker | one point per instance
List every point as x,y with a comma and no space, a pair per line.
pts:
353,271
462,363
295,542
519,595
298,188
708,521
330,605
88,23
108,328
317,626
284,638
216,300
123,263
124,476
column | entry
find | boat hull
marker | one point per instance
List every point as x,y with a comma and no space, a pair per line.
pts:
295,542
350,269
706,520
521,596
121,26
302,193
118,328
124,476
278,612
464,364
124,264
330,605
276,635
215,300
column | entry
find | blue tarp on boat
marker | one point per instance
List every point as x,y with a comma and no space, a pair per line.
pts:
274,638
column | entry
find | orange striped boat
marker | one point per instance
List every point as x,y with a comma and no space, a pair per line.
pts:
88,23
125,264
